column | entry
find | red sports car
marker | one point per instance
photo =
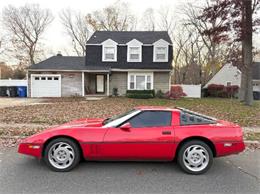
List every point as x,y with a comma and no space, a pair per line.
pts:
144,133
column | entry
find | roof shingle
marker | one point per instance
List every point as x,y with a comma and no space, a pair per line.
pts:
61,63
123,37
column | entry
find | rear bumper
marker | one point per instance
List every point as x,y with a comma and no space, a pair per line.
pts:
30,149
227,148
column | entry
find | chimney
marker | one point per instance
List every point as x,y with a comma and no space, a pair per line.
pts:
59,53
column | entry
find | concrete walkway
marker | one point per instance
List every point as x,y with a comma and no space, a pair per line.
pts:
251,129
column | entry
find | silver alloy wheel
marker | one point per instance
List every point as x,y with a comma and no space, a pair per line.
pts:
61,155
196,158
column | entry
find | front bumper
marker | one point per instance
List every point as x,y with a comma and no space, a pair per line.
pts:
30,149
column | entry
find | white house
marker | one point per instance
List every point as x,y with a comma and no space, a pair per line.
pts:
231,75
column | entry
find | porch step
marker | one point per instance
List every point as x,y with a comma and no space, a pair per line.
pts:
94,98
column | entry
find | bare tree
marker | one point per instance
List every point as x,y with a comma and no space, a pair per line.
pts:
188,57
116,17
26,25
166,20
77,29
148,20
192,14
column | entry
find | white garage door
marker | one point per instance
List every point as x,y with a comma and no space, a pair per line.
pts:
45,85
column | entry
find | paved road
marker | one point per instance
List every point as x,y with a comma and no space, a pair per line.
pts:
234,174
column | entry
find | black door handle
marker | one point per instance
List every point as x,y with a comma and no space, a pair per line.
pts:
166,132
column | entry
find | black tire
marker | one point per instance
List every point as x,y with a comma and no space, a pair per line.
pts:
72,144
180,157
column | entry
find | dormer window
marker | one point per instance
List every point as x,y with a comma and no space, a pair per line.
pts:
134,51
109,51
160,51
134,54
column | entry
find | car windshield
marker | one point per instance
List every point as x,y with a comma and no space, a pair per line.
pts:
109,120
118,120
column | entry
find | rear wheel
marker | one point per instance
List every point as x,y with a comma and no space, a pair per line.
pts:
195,157
62,154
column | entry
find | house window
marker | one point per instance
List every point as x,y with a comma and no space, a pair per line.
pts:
109,53
140,81
160,53
148,82
134,54
132,82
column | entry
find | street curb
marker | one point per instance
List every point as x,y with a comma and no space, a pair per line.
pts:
251,142
13,137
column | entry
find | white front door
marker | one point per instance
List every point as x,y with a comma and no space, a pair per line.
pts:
45,85
100,83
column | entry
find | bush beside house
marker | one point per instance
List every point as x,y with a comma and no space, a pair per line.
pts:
176,92
222,91
140,94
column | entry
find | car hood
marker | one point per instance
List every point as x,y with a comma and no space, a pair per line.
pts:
64,129
86,122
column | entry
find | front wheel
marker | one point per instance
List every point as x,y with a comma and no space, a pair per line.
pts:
195,157
62,154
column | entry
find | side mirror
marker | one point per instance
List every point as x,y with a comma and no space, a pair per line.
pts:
126,127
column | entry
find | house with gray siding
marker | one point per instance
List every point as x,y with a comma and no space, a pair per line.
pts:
114,61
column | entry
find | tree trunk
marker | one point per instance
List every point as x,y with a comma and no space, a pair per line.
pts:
247,46
242,90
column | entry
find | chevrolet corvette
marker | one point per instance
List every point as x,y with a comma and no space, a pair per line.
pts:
143,133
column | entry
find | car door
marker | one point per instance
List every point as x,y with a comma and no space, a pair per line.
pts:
149,136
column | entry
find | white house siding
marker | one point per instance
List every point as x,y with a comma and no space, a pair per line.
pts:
227,73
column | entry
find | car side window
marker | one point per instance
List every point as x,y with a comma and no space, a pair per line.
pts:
191,119
151,119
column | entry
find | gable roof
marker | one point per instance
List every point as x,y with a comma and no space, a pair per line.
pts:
234,69
227,73
256,71
123,37
61,63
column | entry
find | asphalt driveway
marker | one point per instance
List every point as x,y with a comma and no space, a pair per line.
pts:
234,174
